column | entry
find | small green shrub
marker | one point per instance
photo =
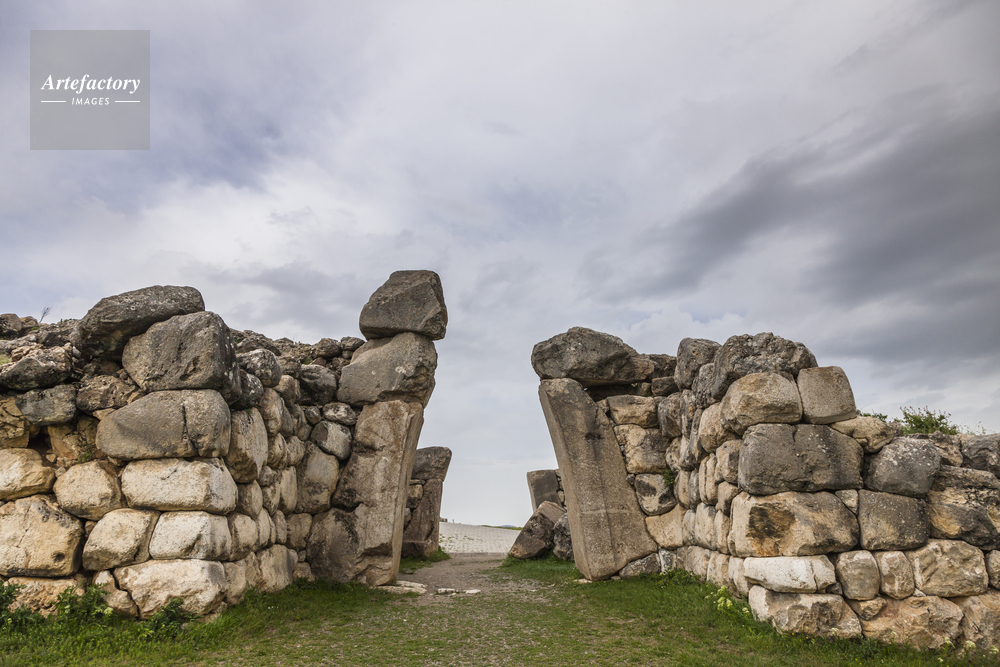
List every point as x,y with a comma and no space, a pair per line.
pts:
4,359
668,477
166,623
925,420
88,608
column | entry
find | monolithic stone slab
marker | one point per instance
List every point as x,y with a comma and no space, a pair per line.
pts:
168,424
792,524
607,525
190,535
760,398
121,537
537,536
905,466
949,568
780,457
48,407
176,484
964,504
591,358
858,575
390,369
22,474
763,353
408,301
89,490
889,521
421,536
38,539
785,574
38,369
826,395
543,485
200,584
922,622
247,445
805,613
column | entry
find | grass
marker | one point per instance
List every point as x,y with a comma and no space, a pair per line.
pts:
643,621
411,565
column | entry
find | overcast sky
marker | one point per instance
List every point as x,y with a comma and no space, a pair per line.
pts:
826,171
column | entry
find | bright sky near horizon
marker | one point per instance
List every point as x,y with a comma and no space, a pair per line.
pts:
826,171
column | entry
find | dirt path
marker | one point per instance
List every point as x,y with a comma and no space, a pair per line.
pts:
468,572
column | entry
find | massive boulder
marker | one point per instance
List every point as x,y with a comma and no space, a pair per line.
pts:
826,395
889,521
176,484
763,353
390,369
409,301
791,524
589,357
38,539
780,457
247,452
200,584
190,535
121,537
38,369
785,574
760,398
964,504
905,466
538,534
949,568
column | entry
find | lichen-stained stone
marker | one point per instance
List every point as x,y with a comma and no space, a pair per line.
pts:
792,524
981,619
421,535
244,535
193,351
318,473
591,358
654,496
692,354
537,536
400,368
121,537
760,398
668,414
103,392
922,622
949,568
645,449
318,384
784,574
332,438
668,529
858,575
277,565
407,301
89,490
299,526
249,499
38,539
201,584
723,526
177,485
982,452
22,474
993,568
14,428
780,457
607,525
872,433
762,353
542,485
826,395
736,576
805,613
896,574
236,581
906,466
190,535
711,433
247,452
168,424
704,526
48,407
41,368
964,505
727,461
637,410
892,522
41,595
262,364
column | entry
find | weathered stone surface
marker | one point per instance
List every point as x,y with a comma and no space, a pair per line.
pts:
364,544
106,328
38,539
200,584
168,424
701,387
981,619
589,357
76,441
695,560
692,354
175,484
897,574
949,568
289,488
341,413
785,574
867,609
905,466
637,410
249,499
648,565
409,301
262,364
654,495
40,368
251,391
332,438
740,583
193,351
763,353
317,479
760,398
298,530
711,433
247,452
244,535
48,407
10,326
389,369
22,474
964,504
431,463
890,521
276,567
318,384
89,490
14,428
727,461
791,524
948,446
668,529
858,575
779,457
922,622
872,433
726,493
536,537
826,395
607,525
121,537
562,539
704,526
41,595
103,392
805,613
718,570
982,452
421,535
668,414
190,535
645,449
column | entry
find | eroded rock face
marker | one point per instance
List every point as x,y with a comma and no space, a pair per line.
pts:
201,584
390,369
262,364
654,495
826,395
645,449
48,407
805,613
779,457
39,369
43,594
692,354
982,452
760,398
537,536
964,504
790,575
318,384
247,452
668,529
332,438
190,535
906,466
763,353
89,490
589,357
177,485
792,524
22,474
949,568
102,392
922,622
897,574
562,539
121,537
421,536
981,619
409,301
14,428
318,473
891,522
38,539
637,410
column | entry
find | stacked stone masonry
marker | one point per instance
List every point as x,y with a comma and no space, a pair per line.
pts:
150,450
749,465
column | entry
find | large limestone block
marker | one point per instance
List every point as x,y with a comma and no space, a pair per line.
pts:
872,433
949,568
896,574
318,385
668,529
431,463
193,351
543,485
760,398
607,525
805,613
332,438
591,358
40,368
121,537
317,476
982,452
168,424
645,449
637,410
42,595
14,428
905,466
247,445
390,369
537,536
668,414
89,490
277,567
249,499
785,574
711,432
964,504
190,535
243,535
176,484
38,539
780,457
792,524
922,622
22,474
858,575
692,354
763,353
422,533
374,483
890,522
981,619
654,495
201,584
704,526
48,407
826,395
408,301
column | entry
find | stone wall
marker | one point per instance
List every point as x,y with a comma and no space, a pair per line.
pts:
749,465
422,517
149,449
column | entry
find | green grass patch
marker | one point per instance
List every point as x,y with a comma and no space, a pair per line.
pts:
411,565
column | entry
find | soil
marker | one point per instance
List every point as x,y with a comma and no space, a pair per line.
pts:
465,572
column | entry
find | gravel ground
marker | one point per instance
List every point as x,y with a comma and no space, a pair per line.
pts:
460,538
